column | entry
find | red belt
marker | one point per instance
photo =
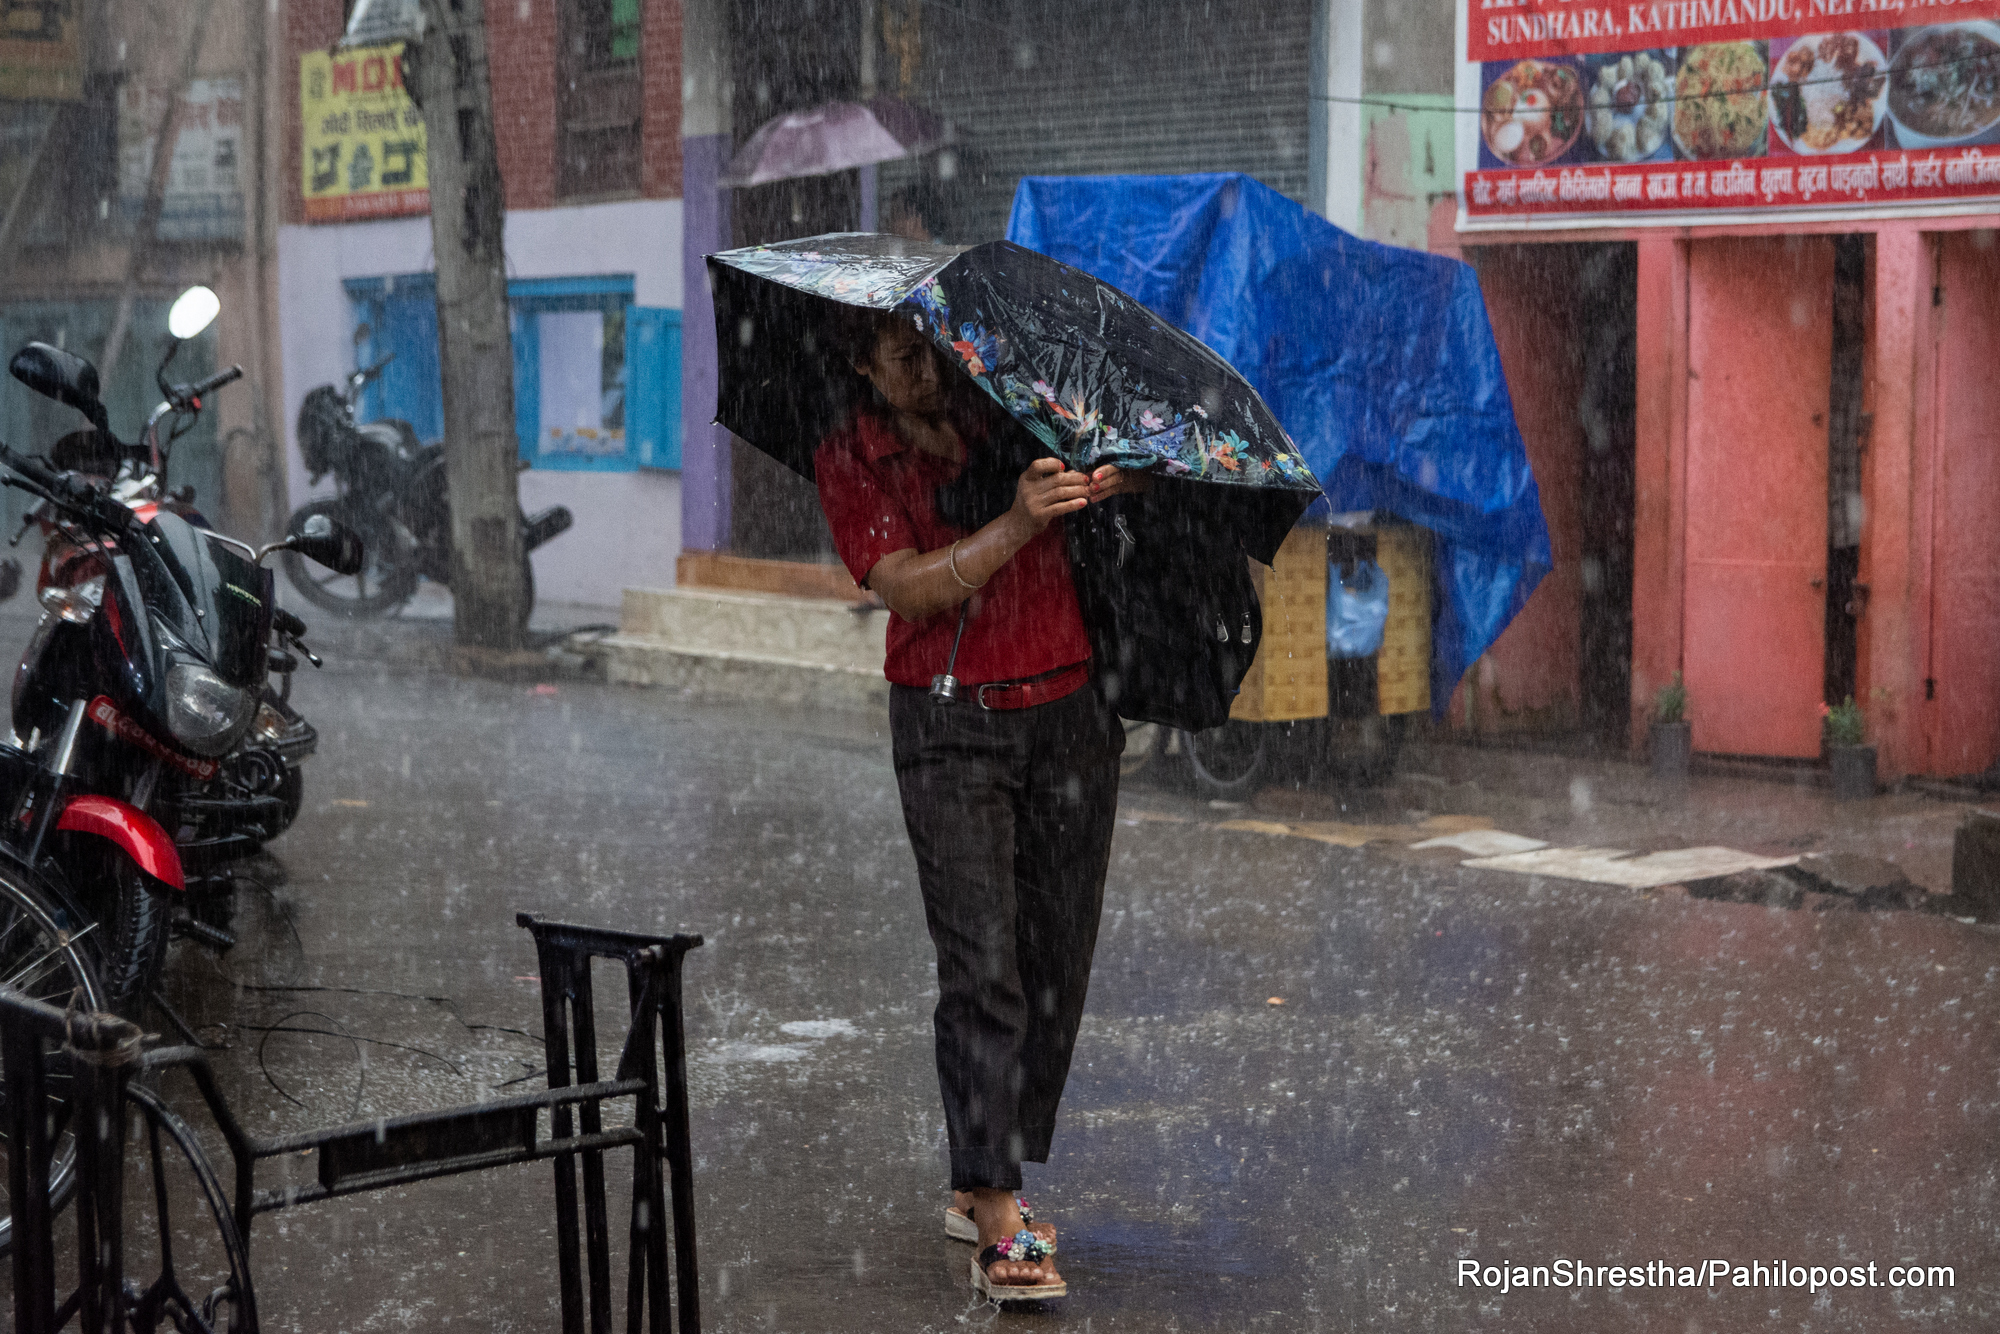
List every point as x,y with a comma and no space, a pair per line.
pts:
1027,693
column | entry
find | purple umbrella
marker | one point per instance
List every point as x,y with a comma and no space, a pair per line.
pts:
834,137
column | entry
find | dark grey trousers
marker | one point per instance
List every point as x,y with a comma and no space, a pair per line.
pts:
1010,813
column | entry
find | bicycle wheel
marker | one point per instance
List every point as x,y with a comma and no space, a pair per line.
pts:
1228,762
1142,744
383,583
42,957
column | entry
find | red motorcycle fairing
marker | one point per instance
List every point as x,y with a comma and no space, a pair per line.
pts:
132,830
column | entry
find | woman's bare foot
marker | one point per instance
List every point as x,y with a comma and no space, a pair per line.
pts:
999,1218
961,1200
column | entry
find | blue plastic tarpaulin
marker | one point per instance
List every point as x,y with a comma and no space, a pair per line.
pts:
1379,361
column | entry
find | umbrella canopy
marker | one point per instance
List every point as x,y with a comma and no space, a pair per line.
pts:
1090,376
834,137
1090,373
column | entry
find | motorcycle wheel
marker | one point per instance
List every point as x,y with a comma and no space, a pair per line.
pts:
42,955
133,929
383,583
292,792
528,586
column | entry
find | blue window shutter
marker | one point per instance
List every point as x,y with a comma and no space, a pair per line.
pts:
653,384
411,387
401,312
372,311
527,380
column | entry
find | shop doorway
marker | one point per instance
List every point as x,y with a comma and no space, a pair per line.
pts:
774,513
1847,430
1565,318
1760,364
1608,413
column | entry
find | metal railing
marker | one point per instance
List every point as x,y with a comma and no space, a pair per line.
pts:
93,1058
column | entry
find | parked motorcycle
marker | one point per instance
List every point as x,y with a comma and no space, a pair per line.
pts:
390,488
143,703
136,476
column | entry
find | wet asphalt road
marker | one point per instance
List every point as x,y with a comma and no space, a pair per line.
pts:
1465,1065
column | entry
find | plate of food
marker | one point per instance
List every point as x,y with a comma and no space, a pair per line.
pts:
1720,107
1631,100
1532,113
1944,86
1827,93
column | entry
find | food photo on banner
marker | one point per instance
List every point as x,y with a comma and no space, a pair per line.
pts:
1711,107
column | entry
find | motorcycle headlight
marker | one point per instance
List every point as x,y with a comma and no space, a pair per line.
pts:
204,712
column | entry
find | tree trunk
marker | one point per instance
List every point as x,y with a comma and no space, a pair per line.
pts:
448,78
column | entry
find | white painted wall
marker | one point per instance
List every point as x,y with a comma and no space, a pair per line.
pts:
1338,147
628,524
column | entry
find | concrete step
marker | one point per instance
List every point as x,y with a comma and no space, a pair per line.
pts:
725,644
819,630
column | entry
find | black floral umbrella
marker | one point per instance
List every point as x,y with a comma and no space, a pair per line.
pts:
1093,377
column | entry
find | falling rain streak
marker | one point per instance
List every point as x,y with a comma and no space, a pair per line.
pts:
1366,626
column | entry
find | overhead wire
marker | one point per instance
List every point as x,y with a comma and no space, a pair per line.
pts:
1405,103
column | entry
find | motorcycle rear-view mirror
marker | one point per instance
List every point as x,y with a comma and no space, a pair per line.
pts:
193,311
329,543
63,376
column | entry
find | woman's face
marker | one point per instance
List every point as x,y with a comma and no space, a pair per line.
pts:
905,371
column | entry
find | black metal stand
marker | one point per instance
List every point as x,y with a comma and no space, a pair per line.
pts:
101,1053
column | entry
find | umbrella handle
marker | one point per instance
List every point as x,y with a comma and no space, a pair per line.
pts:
944,688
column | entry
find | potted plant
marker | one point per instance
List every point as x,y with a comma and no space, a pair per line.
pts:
1671,735
1853,761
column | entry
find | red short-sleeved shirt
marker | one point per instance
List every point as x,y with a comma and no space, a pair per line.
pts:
879,495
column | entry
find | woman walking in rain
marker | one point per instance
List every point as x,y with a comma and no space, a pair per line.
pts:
1009,791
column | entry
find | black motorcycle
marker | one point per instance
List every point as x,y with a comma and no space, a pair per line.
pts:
389,488
143,703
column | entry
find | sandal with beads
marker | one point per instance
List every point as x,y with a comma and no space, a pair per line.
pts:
958,1224
1023,1247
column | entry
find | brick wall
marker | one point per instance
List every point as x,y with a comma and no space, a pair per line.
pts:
308,24
521,51
521,48
660,57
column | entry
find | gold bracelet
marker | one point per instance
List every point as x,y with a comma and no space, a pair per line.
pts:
951,563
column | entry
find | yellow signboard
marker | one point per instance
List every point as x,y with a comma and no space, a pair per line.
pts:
361,152
41,56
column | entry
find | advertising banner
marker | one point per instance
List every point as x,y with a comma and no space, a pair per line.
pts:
361,151
1706,111
204,194
41,55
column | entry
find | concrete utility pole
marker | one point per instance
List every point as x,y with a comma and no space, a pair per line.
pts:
447,75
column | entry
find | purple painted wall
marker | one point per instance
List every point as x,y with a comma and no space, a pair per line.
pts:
704,445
